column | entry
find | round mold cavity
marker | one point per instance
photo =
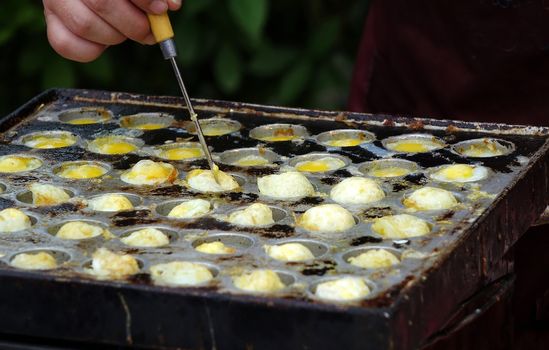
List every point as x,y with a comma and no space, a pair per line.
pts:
49,139
459,198
52,230
286,278
345,138
312,157
483,148
312,289
214,270
238,241
413,143
357,251
147,121
279,132
164,208
25,196
3,188
172,234
96,145
376,168
279,214
84,116
134,199
215,126
33,219
163,151
232,157
480,173
318,249
60,256
37,163
105,168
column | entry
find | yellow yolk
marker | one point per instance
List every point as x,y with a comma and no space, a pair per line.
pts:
456,172
486,149
389,172
83,121
148,126
345,142
410,147
278,138
215,130
181,153
34,261
313,167
43,142
215,248
252,161
86,171
117,148
13,164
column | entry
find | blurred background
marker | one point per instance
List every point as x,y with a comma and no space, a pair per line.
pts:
283,52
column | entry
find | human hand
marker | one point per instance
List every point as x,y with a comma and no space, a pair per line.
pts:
81,30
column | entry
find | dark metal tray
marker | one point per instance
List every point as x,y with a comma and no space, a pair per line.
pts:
407,305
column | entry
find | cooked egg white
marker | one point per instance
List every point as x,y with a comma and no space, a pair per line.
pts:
400,226
112,145
147,237
327,218
181,153
285,185
430,198
291,252
374,259
110,203
356,190
342,289
460,173
80,230
259,281
106,264
216,128
51,141
215,248
193,208
320,165
180,273
482,150
34,261
82,171
147,172
251,160
204,180
13,220
257,214
15,164
411,145
43,194
389,172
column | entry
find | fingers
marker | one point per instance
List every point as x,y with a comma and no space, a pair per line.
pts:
157,6
124,16
83,22
69,45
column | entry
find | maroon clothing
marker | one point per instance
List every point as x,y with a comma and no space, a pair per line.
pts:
483,60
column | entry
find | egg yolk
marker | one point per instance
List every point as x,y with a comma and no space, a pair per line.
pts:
82,172
410,147
389,172
15,164
456,172
181,153
148,126
345,142
313,166
117,148
83,121
482,150
42,142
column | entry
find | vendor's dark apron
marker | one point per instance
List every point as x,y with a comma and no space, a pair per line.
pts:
485,60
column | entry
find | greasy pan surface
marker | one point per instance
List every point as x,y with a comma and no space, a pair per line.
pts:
407,303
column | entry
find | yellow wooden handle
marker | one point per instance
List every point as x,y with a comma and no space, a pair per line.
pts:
161,27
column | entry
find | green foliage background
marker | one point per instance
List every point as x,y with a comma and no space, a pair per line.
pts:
283,52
